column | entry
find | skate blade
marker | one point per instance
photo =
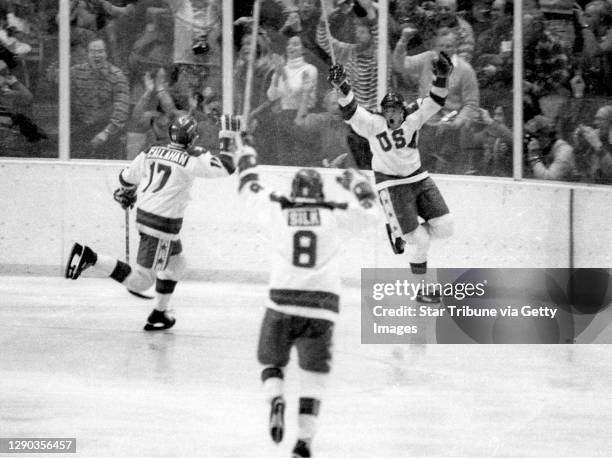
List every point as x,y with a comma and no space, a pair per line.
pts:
140,295
158,326
428,299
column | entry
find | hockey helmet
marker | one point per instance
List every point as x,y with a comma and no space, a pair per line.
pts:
307,184
392,100
393,109
183,130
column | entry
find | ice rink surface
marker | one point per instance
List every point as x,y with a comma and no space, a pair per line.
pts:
74,362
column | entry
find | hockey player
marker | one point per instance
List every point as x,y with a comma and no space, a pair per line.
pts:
406,191
163,176
304,283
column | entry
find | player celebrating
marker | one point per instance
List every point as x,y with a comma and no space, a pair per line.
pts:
164,176
406,191
304,283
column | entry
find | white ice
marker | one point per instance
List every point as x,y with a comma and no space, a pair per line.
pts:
74,362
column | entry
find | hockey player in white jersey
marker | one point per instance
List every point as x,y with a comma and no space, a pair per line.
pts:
304,285
405,189
161,177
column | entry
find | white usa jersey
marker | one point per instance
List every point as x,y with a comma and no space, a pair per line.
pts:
164,175
394,152
305,261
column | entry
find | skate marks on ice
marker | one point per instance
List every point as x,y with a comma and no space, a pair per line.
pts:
75,362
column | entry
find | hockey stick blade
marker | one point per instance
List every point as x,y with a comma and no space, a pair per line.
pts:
140,295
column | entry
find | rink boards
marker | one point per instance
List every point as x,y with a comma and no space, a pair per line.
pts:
47,205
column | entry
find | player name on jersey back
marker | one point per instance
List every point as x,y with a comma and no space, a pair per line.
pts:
169,154
303,217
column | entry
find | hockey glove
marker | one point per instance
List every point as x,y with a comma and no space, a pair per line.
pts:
442,67
230,125
125,196
337,77
359,185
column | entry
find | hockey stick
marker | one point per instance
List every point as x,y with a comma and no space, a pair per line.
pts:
249,76
327,31
127,253
127,235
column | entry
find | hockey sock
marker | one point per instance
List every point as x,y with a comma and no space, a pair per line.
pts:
421,241
112,267
273,382
307,418
164,289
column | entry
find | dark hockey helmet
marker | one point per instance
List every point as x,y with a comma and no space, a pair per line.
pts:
307,184
183,130
392,100
389,106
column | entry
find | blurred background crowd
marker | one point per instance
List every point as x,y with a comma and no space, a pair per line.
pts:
135,64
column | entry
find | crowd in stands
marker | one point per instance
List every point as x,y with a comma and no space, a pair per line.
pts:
26,33
136,64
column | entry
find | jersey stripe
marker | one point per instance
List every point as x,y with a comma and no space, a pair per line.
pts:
307,298
402,181
163,224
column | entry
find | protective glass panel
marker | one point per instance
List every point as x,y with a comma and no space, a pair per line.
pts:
294,115
136,65
568,91
28,79
472,133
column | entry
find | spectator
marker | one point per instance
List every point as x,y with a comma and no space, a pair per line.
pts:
549,157
100,106
493,55
88,19
17,130
263,68
151,116
359,59
328,127
151,49
205,107
15,96
495,138
343,17
361,63
593,148
19,134
448,129
596,28
546,66
304,22
559,21
291,82
12,31
197,54
446,16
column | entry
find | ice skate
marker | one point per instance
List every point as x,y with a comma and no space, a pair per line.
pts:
429,296
277,419
81,258
159,320
301,449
